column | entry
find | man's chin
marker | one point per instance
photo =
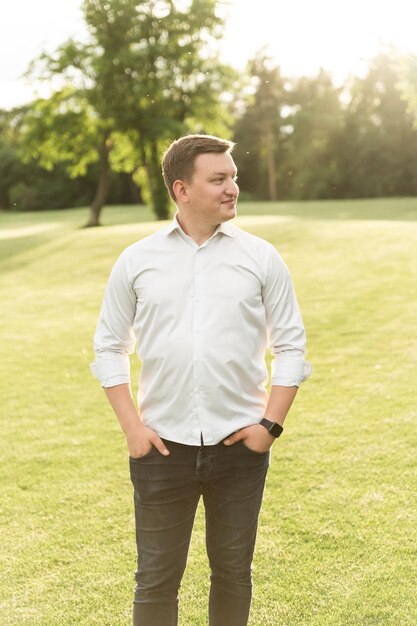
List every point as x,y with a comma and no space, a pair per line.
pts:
230,212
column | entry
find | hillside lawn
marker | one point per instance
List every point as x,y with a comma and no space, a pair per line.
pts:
337,535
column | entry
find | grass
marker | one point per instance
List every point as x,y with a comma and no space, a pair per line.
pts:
337,539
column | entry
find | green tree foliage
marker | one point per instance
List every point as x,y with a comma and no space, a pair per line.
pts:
25,185
61,129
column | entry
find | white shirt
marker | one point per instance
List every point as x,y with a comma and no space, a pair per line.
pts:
202,318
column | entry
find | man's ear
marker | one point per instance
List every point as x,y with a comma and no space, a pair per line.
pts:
180,190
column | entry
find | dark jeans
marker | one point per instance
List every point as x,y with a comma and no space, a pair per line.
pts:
166,494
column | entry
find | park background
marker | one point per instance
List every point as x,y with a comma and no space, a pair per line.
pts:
327,158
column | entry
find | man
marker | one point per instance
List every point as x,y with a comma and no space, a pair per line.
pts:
202,300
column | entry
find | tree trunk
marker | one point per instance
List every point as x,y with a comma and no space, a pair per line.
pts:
134,191
272,175
102,187
159,194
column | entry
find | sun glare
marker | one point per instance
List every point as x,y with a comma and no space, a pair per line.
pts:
304,36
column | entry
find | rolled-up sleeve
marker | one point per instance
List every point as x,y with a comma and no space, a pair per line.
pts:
286,334
114,339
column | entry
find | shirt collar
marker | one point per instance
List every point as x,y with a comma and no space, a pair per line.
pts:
175,225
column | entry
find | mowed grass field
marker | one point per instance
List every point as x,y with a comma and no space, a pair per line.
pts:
337,541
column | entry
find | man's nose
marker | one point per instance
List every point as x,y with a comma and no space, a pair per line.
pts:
232,188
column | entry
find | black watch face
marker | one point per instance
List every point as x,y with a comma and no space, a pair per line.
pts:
276,430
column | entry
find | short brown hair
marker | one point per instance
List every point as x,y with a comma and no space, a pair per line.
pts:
179,159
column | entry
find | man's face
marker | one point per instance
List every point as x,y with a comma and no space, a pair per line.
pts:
212,192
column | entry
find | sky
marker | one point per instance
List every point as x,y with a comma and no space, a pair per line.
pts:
301,35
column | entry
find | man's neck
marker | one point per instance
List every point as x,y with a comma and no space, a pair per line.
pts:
197,231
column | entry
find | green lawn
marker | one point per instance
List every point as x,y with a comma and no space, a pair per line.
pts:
337,539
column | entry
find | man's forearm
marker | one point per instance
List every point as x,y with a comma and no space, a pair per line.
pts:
256,436
121,400
279,403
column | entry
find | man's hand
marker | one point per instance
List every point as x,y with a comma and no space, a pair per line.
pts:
141,440
256,437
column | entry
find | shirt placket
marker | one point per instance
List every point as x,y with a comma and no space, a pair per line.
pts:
196,331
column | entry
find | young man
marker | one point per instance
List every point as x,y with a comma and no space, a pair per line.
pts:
202,300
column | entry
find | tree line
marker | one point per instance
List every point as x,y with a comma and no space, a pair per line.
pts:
149,72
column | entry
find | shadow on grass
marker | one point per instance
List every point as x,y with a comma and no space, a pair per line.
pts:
22,232
15,252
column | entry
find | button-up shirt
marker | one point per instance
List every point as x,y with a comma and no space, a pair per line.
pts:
202,317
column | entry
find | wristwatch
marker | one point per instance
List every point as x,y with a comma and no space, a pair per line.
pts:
274,428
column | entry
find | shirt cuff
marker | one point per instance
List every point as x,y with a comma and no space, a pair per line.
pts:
111,371
289,371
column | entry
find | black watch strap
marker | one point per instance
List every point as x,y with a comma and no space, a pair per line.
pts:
274,428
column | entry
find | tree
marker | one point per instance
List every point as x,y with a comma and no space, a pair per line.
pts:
406,68
167,79
147,73
258,132
74,125
10,165
380,143
315,119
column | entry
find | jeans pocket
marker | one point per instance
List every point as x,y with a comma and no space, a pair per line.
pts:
144,456
255,452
